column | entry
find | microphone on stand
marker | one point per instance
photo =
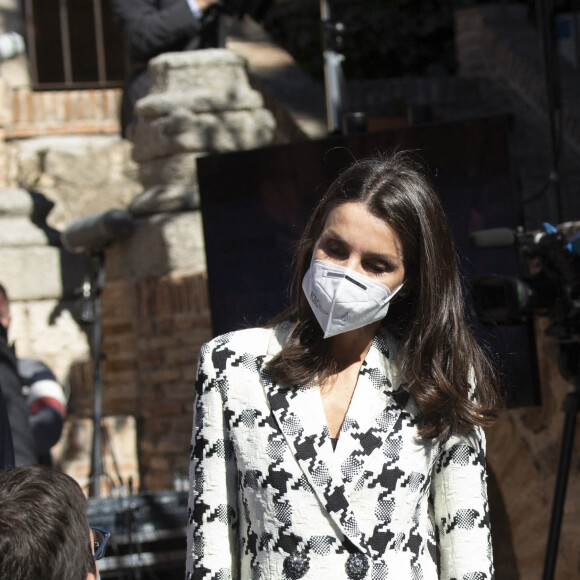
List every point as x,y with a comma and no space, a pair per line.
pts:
92,234
97,230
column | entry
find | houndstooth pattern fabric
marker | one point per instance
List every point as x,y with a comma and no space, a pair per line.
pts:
267,485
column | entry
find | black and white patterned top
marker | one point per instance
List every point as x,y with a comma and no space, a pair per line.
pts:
270,499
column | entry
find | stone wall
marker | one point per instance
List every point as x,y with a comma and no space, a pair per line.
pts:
79,174
40,291
66,144
155,309
62,155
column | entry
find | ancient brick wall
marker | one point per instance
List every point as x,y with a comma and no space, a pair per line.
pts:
152,330
172,319
37,113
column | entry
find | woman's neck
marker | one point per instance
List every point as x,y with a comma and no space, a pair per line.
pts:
352,347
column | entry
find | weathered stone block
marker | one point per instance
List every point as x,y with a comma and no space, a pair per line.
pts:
82,175
19,231
165,199
211,73
188,132
16,202
175,170
162,244
31,273
200,100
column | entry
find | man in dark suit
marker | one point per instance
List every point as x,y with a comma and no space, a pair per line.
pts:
6,449
16,406
153,27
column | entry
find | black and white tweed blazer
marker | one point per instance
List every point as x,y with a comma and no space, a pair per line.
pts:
270,499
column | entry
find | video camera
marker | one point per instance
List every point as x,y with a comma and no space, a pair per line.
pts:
548,284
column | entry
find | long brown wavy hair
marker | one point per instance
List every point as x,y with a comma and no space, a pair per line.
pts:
438,354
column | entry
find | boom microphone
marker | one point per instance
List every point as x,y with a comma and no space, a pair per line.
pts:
97,230
493,238
504,238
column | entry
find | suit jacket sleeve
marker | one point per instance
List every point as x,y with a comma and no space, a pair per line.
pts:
16,408
460,509
213,511
6,449
150,30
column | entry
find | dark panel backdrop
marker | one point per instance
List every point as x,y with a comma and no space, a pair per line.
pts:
255,205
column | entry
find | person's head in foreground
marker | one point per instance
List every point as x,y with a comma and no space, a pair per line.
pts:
44,531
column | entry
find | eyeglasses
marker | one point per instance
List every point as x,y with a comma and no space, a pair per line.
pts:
100,539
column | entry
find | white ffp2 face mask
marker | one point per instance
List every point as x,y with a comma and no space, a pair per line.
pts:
343,299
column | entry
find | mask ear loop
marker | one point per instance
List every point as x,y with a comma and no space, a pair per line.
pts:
396,291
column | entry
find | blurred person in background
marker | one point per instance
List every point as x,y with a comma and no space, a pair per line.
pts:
6,449
16,406
35,401
154,27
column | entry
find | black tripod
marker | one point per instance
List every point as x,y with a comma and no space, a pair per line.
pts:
569,351
569,363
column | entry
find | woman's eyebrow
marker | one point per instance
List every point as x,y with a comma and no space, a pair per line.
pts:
330,235
392,259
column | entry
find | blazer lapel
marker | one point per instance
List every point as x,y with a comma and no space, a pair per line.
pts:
373,412
300,416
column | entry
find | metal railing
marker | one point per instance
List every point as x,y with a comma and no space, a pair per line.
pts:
73,44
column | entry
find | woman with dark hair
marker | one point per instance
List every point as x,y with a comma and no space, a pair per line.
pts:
342,441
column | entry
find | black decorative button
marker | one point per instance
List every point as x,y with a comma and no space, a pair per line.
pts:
296,565
357,566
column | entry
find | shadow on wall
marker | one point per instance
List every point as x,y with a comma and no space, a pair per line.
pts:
72,268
